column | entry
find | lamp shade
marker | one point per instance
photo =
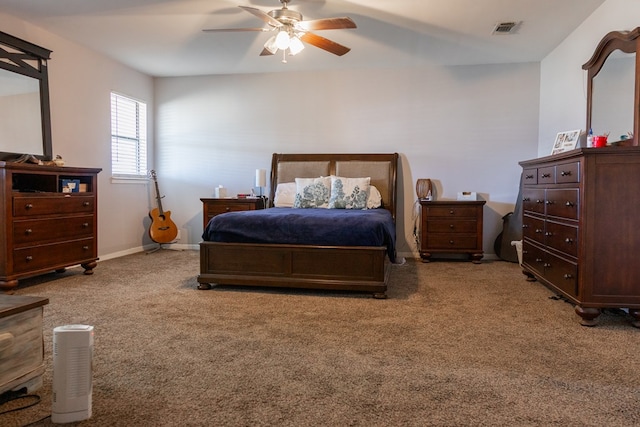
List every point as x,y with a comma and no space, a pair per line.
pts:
261,178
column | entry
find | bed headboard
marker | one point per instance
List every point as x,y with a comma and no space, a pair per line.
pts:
381,168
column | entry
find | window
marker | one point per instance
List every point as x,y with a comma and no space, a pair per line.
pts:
128,137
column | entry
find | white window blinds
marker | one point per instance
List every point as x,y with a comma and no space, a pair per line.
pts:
128,137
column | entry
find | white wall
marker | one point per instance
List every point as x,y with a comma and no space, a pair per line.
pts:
80,82
465,127
563,85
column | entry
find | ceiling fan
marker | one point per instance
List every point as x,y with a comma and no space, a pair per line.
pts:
291,30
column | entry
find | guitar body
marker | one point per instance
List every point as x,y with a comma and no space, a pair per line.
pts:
162,228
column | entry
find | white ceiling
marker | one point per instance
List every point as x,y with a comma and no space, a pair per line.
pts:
165,37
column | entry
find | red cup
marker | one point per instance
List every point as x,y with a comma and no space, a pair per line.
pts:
599,141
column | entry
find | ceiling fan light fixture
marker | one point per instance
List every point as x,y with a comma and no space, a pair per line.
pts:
283,40
270,45
295,45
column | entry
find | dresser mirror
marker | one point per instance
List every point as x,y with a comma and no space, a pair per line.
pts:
613,88
24,99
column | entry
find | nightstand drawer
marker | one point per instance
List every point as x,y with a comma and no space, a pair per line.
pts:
453,226
452,211
451,241
213,207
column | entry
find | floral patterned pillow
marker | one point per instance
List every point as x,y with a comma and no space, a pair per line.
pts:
349,193
312,192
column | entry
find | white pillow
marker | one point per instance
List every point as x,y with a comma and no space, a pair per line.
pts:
349,193
285,195
375,199
312,192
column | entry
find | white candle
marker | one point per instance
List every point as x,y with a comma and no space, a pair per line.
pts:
261,178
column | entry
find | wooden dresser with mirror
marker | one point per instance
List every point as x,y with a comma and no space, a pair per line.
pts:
48,214
581,208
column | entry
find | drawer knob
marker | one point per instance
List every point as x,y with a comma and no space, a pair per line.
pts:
85,225
85,248
546,175
28,258
538,231
538,259
539,201
451,212
85,204
528,177
546,265
227,209
28,206
549,202
565,173
568,240
451,242
548,233
28,231
568,204
525,225
451,226
526,199
568,276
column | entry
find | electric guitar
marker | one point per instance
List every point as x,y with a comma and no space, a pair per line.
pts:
162,229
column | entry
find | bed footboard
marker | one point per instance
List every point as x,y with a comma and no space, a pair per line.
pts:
361,268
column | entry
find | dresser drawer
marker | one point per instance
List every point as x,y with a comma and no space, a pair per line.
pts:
533,200
53,255
547,175
561,237
52,205
533,228
568,172
562,273
452,226
220,208
530,176
452,211
451,241
563,203
36,231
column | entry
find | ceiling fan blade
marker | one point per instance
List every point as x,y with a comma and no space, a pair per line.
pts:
326,24
262,15
326,44
220,30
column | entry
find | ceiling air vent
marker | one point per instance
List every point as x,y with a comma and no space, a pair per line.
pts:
507,27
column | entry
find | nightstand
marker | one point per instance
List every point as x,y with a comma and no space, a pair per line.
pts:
213,207
451,227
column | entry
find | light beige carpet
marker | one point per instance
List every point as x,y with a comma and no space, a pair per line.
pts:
455,344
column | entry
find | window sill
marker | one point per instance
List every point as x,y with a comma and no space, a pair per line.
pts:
129,180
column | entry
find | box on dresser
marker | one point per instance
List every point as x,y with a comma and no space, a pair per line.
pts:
580,228
43,228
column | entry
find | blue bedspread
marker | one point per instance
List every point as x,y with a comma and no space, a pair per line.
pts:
323,227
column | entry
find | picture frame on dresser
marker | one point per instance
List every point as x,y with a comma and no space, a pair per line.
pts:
566,141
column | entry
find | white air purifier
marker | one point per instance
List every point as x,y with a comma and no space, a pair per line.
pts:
72,373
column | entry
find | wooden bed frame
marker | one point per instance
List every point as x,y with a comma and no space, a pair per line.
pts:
349,268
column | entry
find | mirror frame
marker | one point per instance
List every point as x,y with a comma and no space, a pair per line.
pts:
627,42
21,62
